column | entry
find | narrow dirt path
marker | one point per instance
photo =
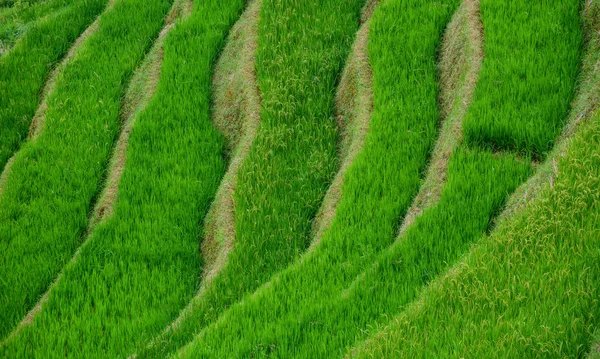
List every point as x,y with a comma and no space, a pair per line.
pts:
460,63
139,92
39,118
354,106
236,114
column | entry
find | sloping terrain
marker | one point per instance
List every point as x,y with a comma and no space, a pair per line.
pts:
299,179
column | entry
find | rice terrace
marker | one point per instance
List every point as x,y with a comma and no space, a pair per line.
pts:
300,179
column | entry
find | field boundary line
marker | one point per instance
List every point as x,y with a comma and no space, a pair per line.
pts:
454,101
38,121
140,91
236,113
132,106
358,58
354,107
219,236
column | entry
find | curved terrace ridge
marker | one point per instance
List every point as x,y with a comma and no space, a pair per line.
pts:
139,92
461,59
354,106
236,114
37,123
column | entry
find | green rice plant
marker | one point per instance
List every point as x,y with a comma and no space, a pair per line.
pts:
383,180
54,180
141,266
297,317
301,50
15,21
24,69
300,315
533,51
530,290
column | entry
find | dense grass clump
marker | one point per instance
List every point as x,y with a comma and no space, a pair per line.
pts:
528,291
377,189
301,49
318,311
24,68
52,184
16,20
533,51
531,288
142,266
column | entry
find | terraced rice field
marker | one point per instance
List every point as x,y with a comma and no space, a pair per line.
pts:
299,179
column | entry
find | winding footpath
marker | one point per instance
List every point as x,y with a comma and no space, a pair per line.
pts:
237,116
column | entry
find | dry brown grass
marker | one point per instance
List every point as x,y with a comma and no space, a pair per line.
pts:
237,115
354,106
5,173
461,58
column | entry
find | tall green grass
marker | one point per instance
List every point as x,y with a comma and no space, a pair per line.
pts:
301,50
313,311
142,266
53,182
15,21
24,69
377,190
317,311
530,290
533,51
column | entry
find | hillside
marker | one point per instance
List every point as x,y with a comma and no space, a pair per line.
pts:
300,179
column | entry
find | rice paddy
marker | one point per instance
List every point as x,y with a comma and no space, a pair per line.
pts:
299,179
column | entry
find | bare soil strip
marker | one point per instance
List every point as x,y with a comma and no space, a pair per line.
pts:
139,92
595,352
583,108
354,105
5,173
39,118
236,114
460,63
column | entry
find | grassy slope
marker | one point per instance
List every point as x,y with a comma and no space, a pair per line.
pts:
53,181
301,48
321,324
23,70
141,266
529,290
236,114
15,21
532,55
377,189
